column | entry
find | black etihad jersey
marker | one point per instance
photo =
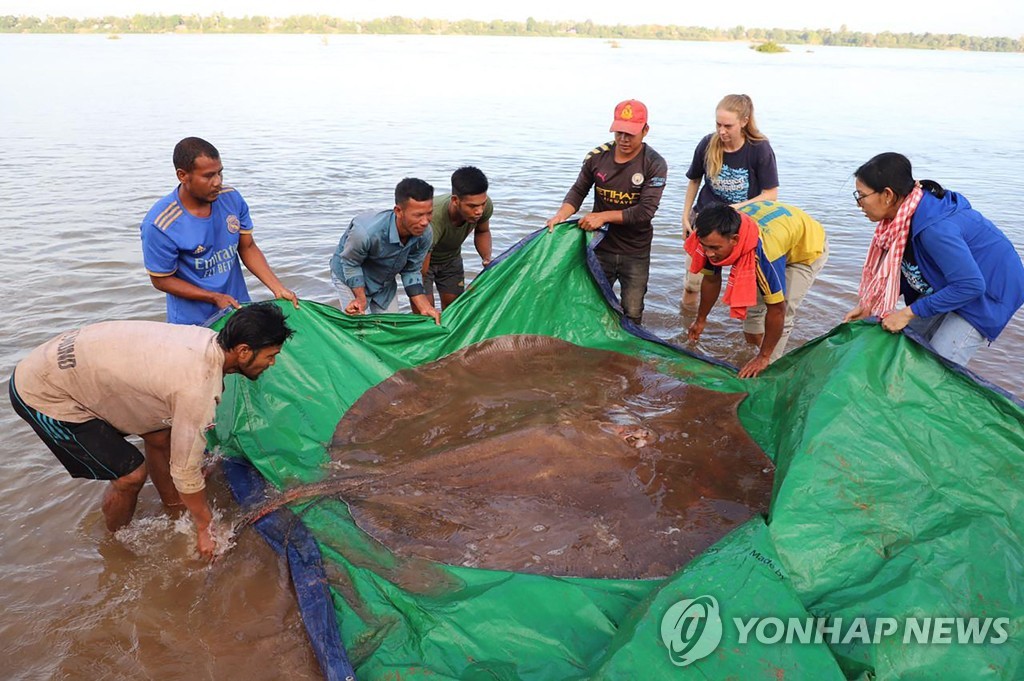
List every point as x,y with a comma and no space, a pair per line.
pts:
634,187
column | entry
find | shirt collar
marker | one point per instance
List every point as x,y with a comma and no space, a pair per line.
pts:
393,229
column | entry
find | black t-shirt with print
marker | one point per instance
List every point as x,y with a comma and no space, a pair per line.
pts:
634,187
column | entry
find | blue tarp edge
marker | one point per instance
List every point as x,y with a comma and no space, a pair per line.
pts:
288,536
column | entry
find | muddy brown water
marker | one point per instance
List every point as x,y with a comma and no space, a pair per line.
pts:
530,454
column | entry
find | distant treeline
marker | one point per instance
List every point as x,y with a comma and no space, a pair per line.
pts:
218,23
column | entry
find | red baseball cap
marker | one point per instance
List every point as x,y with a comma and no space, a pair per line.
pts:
630,117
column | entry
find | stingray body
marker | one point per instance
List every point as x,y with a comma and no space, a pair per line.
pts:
530,454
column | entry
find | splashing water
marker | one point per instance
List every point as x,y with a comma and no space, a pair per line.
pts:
146,536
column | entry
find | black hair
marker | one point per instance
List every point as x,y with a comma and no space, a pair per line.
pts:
468,181
258,325
893,171
717,217
932,187
413,188
189,149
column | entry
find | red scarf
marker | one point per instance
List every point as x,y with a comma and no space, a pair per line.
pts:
741,290
880,278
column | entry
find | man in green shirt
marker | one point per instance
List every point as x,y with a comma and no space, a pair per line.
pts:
467,209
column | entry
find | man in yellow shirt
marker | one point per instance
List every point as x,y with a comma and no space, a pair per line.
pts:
789,252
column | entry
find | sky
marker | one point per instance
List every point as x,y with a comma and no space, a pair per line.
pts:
984,18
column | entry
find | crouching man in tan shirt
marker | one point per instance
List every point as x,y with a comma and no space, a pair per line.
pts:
87,388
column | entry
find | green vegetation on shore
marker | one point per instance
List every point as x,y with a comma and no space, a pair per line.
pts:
218,23
770,47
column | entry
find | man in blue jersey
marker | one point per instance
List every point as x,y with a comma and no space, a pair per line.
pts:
194,238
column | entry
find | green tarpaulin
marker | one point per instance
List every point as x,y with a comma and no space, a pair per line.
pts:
898,494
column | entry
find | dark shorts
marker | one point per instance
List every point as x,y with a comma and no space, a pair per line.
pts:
449,277
94,449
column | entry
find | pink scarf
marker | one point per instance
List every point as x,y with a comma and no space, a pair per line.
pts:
880,278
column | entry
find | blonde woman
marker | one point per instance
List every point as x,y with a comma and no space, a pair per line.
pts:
736,164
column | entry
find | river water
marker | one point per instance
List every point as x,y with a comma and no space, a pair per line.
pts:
312,130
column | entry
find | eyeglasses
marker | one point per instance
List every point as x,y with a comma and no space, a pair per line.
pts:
858,196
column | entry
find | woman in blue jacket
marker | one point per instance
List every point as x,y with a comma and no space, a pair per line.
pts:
959,275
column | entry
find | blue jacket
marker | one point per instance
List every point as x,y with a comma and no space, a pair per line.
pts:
971,265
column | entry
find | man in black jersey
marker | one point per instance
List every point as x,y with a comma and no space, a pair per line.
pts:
628,178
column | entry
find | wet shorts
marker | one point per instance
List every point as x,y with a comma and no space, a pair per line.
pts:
449,277
94,449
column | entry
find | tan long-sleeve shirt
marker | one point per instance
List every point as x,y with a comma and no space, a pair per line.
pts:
139,377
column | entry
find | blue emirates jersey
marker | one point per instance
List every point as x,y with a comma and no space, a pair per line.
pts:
201,251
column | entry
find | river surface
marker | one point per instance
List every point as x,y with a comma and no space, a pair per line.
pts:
313,130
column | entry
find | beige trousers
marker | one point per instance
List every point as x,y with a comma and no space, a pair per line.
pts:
799,277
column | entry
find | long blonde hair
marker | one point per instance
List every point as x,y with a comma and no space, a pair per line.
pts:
743,107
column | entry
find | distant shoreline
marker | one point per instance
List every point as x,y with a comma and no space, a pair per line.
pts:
328,25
